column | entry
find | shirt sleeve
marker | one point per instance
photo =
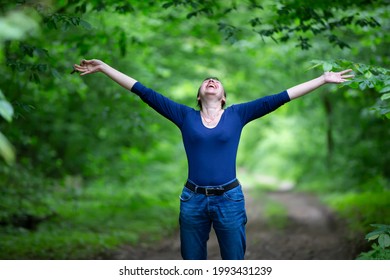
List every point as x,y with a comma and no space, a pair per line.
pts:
259,107
173,111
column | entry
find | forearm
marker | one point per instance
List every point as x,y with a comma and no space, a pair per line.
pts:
304,88
122,79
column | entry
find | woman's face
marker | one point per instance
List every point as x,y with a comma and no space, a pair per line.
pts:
212,86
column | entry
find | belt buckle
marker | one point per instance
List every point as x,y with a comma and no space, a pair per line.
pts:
208,191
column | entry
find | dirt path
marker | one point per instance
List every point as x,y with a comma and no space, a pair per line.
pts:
310,231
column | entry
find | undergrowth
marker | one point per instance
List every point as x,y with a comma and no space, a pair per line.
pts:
361,211
91,220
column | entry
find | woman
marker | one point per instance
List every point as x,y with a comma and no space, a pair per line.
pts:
212,195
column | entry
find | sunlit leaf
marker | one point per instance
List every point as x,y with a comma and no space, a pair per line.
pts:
16,26
372,237
385,96
6,109
6,150
385,89
368,74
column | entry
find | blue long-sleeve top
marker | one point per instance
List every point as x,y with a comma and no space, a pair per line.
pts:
211,152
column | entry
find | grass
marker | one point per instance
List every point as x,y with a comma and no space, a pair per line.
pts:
275,214
361,209
90,221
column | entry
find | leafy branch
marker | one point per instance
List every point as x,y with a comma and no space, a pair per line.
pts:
367,77
382,234
380,249
281,22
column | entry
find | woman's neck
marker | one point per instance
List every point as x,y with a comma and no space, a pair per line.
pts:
211,109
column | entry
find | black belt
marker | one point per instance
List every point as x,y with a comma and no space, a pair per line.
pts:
217,190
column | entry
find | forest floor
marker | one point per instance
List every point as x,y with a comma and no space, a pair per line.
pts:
308,231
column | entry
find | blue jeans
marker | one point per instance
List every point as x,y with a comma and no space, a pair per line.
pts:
227,215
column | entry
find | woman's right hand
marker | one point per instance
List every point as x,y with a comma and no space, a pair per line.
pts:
89,66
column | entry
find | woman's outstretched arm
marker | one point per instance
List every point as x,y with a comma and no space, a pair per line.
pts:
95,65
163,105
327,77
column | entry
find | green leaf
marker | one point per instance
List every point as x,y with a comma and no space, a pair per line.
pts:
384,240
382,229
384,111
327,66
370,84
6,109
385,96
368,75
85,24
34,77
385,89
372,237
384,226
6,150
42,52
362,68
374,234
317,63
353,84
363,85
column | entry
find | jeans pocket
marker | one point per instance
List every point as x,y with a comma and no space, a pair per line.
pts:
186,195
235,194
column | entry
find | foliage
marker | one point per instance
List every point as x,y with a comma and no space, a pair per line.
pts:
13,26
382,233
377,253
89,153
6,149
282,21
361,209
90,222
366,77
381,252
24,197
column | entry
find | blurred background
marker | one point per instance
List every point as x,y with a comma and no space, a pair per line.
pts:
86,166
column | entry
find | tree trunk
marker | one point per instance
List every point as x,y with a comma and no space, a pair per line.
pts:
329,128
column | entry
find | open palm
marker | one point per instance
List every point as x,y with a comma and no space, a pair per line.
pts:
337,77
89,66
